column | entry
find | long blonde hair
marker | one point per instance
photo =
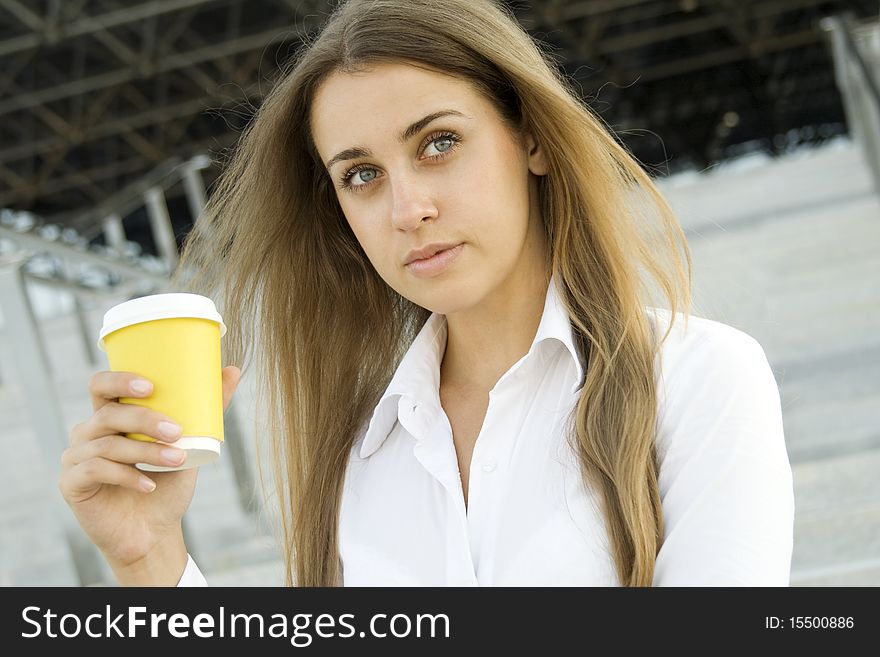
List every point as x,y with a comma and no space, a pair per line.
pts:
327,333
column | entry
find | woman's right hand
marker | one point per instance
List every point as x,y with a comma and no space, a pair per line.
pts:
127,513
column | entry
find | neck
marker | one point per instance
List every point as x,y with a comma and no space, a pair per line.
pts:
483,342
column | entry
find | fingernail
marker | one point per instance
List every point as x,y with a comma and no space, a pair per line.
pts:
172,455
140,386
169,429
147,485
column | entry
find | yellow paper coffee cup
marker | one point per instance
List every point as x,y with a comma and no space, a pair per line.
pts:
172,340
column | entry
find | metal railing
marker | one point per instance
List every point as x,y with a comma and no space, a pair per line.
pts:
856,51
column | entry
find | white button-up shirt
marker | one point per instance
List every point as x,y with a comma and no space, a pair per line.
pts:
725,479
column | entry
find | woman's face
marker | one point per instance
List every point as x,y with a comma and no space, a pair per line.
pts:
405,181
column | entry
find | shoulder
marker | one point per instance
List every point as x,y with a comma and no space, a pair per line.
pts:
702,358
695,342
714,384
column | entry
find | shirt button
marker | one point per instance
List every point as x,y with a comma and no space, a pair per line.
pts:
489,466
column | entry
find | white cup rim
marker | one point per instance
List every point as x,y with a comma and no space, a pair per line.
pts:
170,305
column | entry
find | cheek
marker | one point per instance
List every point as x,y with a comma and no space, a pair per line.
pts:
371,236
492,198
364,231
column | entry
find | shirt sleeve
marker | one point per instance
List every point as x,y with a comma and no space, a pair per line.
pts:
192,576
725,478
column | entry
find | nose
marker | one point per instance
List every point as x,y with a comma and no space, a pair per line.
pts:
411,203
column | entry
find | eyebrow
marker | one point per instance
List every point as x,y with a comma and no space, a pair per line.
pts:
406,135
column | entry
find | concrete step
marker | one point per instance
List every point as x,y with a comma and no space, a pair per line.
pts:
837,519
831,485
758,187
831,404
835,544
865,573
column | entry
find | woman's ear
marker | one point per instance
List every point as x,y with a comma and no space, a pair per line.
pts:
537,160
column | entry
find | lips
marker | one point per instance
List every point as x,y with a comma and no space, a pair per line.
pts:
436,264
427,251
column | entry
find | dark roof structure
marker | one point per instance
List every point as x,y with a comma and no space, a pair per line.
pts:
94,94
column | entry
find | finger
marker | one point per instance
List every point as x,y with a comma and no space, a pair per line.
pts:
123,450
106,387
231,376
85,479
114,418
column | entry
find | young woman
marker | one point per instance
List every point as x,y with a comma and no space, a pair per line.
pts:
440,260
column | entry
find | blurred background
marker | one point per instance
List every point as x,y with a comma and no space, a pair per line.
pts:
759,119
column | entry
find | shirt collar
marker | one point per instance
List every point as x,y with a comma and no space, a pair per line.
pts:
418,375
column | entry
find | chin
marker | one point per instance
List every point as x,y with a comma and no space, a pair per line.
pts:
445,294
442,297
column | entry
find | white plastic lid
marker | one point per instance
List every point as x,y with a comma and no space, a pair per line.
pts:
159,306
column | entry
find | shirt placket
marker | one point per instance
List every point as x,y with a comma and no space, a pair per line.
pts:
483,481
435,450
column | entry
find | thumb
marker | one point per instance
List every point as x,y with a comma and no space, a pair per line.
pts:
231,375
